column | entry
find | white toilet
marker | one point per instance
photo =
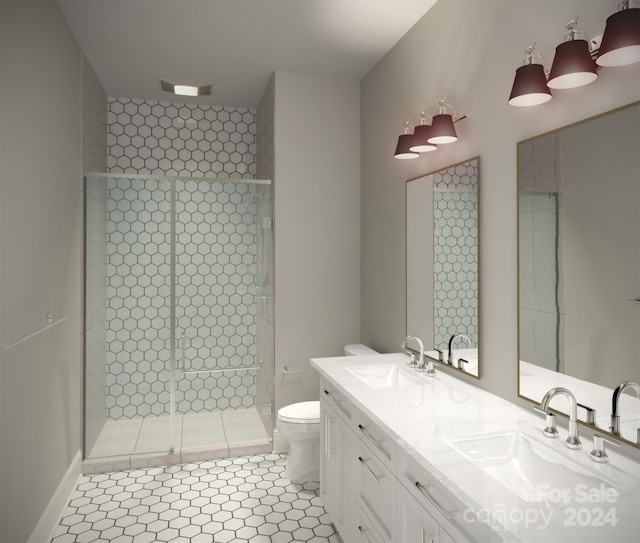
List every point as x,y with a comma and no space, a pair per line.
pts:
300,424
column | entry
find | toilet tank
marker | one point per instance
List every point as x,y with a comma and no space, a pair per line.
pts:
358,349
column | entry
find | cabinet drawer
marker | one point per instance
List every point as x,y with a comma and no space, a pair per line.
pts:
365,532
415,524
440,502
375,489
376,439
336,400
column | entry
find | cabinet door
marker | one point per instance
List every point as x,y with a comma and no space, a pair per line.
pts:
336,471
327,461
364,530
375,488
415,524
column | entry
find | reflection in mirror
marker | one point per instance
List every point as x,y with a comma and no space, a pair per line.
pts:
442,264
579,265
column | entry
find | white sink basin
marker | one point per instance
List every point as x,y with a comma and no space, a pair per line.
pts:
534,471
386,376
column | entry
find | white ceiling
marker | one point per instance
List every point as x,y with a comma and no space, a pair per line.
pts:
233,44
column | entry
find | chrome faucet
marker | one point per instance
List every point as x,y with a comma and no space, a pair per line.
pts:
414,362
421,360
573,440
615,409
450,354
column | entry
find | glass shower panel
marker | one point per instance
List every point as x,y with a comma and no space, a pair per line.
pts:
215,305
135,269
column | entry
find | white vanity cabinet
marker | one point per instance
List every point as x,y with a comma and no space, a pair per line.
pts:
458,523
375,491
365,532
336,452
415,524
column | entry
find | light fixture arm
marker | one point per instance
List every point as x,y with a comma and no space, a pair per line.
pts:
625,4
423,118
574,30
442,105
531,53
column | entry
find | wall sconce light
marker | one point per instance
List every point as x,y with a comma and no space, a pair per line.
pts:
573,65
442,129
621,41
421,135
403,149
530,84
425,137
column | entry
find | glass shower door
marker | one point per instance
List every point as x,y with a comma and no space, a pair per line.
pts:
215,279
129,389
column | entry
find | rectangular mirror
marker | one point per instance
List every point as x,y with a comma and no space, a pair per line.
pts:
579,265
442,264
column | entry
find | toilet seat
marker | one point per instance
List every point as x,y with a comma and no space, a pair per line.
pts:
300,413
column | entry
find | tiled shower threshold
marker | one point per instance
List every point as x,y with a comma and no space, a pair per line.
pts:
142,443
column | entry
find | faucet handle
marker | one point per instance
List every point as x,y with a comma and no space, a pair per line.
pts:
413,362
599,453
428,368
590,417
550,430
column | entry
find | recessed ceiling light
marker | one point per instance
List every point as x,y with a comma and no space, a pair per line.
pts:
184,89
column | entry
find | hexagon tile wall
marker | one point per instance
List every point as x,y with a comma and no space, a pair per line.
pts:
170,138
455,249
215,256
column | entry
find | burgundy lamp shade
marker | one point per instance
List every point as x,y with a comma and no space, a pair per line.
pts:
442,129
572,66
420,142
621,41
529,86
403,149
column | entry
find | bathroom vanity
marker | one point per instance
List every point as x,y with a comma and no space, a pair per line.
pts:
408,458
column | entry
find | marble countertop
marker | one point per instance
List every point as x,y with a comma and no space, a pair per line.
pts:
430,420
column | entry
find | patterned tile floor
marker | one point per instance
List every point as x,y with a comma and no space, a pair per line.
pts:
233,500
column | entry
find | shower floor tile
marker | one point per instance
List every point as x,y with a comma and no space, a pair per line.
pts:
202,429
242,426
118,437
238,500
155,435
140,443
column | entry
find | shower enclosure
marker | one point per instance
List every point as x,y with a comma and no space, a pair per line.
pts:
178,327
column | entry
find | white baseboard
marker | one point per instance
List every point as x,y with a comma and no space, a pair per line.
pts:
58,502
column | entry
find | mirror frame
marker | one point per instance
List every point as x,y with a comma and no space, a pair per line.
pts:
592,427
478,325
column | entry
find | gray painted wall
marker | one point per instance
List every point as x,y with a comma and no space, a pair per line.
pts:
467,51
317,218
40,225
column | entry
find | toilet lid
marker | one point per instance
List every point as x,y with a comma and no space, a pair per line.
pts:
300,413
